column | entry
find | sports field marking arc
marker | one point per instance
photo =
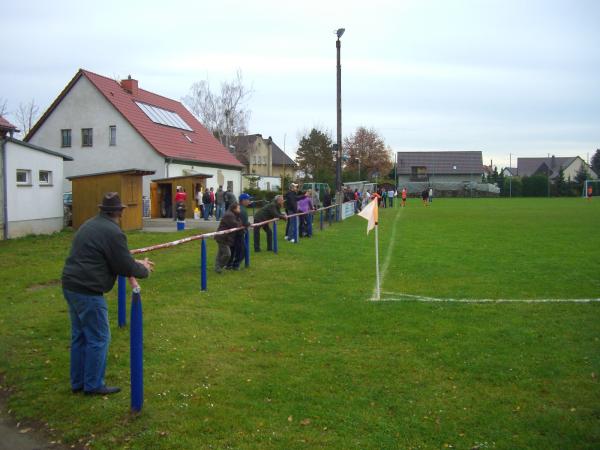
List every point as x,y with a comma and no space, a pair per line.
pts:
400,297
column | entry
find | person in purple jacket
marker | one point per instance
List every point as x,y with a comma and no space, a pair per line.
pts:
305,205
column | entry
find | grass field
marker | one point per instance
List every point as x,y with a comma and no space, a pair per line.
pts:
290,354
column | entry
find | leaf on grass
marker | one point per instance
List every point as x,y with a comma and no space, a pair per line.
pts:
290,418
305,422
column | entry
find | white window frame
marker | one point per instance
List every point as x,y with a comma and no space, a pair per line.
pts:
27,182
112,142
45,183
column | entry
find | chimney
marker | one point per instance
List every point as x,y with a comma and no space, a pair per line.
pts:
130,85
553,163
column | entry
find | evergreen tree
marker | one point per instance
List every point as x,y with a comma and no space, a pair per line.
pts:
596,162
561,188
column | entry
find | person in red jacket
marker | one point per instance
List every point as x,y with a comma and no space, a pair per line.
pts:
180,199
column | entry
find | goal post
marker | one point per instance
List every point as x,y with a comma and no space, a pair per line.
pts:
594,184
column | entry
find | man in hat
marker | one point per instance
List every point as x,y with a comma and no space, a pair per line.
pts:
98,254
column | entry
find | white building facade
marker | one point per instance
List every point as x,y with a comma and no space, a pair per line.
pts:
32,178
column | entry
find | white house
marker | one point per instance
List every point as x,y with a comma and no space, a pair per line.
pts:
31,179
107,125
551,166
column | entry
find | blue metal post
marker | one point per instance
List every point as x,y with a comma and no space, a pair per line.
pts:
297,229
321,219
136,361
203,266
247,248
274,237
122,301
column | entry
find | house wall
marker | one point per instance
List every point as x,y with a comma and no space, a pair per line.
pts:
289,171
220,176
575,166
1,191
85,107
35,208
259,158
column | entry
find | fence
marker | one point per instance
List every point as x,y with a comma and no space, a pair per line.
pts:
136,331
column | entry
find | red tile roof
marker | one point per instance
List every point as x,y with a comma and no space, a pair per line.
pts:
168,141
6,125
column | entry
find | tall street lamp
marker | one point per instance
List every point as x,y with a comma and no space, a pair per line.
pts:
338,170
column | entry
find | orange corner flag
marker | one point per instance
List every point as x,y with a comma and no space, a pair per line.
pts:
371,213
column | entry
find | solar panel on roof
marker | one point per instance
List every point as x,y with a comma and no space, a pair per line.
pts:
163,117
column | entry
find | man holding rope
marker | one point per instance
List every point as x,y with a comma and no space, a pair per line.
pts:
98,254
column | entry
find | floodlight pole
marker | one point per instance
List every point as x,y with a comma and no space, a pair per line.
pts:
338,170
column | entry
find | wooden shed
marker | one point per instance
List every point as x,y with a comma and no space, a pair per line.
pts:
163,190
88,191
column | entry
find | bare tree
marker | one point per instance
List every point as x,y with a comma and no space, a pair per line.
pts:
26,116
3,107
224,113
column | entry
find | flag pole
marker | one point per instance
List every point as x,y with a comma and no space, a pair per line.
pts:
378,292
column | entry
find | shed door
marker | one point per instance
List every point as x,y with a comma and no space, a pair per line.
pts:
154,201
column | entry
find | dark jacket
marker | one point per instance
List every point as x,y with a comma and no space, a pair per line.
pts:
327,199
268,212
244,216
206,197
291,201
229,220
98,254
229,197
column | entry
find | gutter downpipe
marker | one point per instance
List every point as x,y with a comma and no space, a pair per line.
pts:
4,192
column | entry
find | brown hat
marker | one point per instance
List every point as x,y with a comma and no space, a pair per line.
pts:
111,202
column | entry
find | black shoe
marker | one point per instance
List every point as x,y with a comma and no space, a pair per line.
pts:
104,390
77,391
257,250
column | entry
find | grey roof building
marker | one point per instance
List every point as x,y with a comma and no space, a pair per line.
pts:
439,165
551,166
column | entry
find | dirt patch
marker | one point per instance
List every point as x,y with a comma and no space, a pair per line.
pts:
44,285
24,435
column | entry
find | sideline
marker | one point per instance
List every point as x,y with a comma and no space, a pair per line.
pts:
400,297
388,256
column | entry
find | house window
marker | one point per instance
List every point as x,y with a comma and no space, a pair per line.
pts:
65,138
418,173
24,177
87,138
45,178
230,185
112,135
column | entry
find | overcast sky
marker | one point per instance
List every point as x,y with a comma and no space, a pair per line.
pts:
508,76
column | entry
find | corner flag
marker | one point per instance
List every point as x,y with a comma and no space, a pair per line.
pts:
371,213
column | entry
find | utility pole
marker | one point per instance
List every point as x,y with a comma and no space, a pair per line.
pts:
510,178
338,171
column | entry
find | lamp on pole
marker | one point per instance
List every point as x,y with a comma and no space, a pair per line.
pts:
338,169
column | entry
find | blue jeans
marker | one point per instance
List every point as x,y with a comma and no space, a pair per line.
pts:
292,226
220,211
90,336
206,210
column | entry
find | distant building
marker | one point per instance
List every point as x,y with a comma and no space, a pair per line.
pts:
551,166
510,171
439,166
108,125
31,199
263,158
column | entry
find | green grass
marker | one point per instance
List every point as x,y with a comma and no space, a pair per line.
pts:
289,354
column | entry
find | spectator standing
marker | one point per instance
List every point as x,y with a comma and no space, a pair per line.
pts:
98,254
384,195
430,195
229,198
239,245
305,205
291,207
391,195
206,204
270,211
326,203
231,219
220,202
212,210
404,194
180,199
425,196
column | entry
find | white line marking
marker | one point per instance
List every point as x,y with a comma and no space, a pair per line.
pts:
400,297
388,256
